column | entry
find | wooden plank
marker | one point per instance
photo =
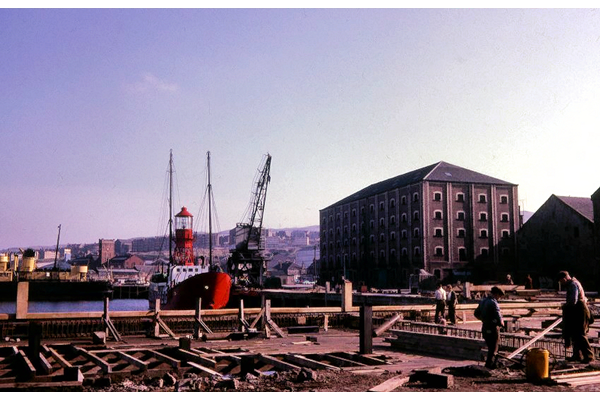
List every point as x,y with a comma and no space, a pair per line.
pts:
387,325
535,339
143,365
279,310
202,325
276,328
59,359
363,358
341,361
575,375
45,365
257,318
307,362
165,358
274,361
390,384
28,365
104,366
164,326
39,385
112,329
216,354
209,371
190,356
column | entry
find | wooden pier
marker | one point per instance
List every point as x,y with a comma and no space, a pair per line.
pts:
68,349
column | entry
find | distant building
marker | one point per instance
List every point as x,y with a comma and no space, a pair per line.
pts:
123,246
300,238
126,262
447,220
596,208
559,236
107,250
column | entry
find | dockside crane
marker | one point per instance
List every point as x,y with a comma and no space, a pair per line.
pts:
248,259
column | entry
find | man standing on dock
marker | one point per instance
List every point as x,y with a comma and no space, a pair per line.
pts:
452,302
440,303
576,319
488,312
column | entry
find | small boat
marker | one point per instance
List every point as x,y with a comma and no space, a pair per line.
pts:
186,280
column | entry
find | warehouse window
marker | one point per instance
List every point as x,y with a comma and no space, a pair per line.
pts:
462,254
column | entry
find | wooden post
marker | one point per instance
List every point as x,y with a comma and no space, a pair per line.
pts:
241,318
197,318
366,329
467,291
263,306
35,339
269,323
22,299
326,322
105,316
347,296
156,317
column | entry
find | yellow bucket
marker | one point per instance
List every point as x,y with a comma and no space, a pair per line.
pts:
537,364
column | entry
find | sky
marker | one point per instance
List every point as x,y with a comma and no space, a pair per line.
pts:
93,100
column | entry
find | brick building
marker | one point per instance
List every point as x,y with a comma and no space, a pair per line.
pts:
447,220
559,236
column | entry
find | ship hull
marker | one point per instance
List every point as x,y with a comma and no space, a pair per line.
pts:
213,288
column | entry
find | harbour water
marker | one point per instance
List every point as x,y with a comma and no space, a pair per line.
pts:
9,307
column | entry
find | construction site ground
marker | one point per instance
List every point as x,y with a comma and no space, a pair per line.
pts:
467,375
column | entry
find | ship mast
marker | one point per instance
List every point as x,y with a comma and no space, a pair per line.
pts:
170,214
209,187
56,253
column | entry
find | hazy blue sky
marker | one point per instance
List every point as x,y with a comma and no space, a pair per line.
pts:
93,100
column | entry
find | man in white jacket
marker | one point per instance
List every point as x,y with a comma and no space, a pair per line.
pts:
440,303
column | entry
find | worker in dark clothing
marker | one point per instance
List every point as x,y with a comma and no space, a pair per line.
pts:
528,282
576,319
451,302
488,312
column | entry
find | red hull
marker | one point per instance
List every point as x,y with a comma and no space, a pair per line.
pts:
212,287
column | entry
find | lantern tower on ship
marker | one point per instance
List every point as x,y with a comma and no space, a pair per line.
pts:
184,238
